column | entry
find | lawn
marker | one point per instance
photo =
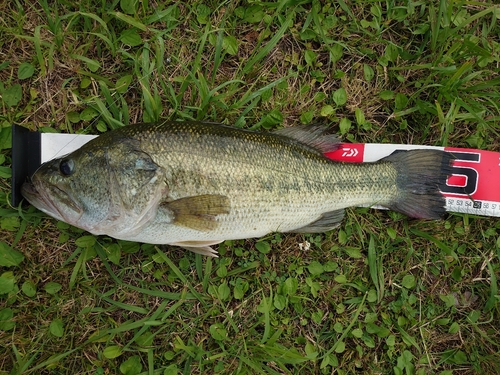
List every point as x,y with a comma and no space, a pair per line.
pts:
382,294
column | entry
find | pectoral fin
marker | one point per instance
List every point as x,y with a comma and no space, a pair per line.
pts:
199,247
327,221
198,212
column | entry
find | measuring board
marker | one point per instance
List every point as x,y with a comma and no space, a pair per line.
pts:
473,188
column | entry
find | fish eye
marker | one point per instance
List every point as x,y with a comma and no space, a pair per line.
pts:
67,167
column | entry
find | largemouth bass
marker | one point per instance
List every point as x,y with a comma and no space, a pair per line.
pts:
196,184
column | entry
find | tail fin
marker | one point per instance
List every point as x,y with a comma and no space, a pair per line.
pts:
420,174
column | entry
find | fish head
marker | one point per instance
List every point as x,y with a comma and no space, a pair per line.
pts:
71,188
108,188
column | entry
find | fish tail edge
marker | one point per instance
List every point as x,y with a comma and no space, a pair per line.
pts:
420,174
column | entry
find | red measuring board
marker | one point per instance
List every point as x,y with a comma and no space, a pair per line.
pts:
474,186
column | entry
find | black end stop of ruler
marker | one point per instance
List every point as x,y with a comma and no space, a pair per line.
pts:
26,158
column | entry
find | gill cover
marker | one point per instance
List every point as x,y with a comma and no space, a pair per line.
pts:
134,174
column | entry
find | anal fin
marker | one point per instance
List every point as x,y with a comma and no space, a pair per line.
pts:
327,221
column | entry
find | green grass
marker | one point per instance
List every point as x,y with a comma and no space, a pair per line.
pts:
382,294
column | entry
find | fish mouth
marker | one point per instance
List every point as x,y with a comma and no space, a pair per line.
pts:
28,191
46,196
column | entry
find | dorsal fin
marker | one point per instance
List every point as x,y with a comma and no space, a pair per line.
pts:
315,136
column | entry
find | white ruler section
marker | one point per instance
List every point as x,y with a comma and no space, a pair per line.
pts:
55,145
